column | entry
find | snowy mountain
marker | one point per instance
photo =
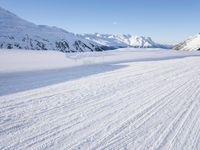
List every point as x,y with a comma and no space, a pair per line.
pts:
16,33
122,40
191,44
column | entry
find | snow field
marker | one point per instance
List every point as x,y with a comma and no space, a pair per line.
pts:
128,99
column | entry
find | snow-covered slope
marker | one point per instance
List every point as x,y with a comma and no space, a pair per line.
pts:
133,99
30,60
20,34
122,40
191,44
16,33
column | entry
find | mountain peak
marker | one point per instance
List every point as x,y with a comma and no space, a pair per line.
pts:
17,33
191,44
121,40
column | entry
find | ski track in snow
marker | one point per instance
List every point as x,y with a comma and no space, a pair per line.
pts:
143,105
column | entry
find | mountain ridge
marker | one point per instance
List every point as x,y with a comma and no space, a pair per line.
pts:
190,44
122,40
17,33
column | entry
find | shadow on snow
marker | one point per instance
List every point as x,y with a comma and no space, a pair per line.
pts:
22,81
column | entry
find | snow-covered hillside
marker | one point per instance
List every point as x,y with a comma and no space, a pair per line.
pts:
122,40
16,33
191,44
120,99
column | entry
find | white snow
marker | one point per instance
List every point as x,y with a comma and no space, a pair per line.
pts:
121,40
121,99
191,44
194,44
20,34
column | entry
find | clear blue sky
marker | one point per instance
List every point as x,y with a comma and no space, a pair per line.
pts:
166,21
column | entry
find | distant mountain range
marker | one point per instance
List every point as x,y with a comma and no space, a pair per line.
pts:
191,44
122,40
16,33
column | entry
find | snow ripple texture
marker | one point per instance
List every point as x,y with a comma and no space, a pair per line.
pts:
149,104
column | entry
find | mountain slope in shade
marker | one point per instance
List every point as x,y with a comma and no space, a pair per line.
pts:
16,33
191,44
122,40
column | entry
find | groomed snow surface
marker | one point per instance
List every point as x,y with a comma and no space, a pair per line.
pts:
121,99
